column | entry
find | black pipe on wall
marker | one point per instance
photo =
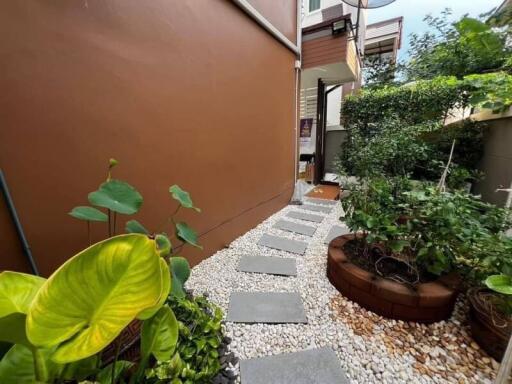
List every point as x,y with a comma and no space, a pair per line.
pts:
19,229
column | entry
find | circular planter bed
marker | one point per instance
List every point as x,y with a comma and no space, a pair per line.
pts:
425,302
490,330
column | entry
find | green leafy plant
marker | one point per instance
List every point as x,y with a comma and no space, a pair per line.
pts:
200,335
459,48
113,282
416,223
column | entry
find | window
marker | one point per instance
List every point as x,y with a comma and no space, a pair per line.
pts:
314,5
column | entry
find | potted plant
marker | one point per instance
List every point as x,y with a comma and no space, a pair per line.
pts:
124,293
410,237
490,302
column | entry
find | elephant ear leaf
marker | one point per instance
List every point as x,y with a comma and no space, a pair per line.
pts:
180,271
17,365
118,196
166,287
17,291
159,335
93,296
182,197
133,226
88,213
187,234
500,283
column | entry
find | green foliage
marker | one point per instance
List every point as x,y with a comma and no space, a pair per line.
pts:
182,197
399,131
411,104
431,230
59,336
180,270
105,375
500,283
88,213
104,301
196,359
490,91
187,234
117,196
467,46
133,226
159,335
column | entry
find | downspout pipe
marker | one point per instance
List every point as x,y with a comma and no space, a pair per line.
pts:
19,229
298,66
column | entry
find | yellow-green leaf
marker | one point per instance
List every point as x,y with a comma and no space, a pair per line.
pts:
88,301
166,287
17,290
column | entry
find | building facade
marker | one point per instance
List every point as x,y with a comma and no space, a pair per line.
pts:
199,93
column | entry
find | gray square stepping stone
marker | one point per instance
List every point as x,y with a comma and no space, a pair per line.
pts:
271,307
313,366
305,216
322,201
290,226
315,208
267,264
283,244
336,231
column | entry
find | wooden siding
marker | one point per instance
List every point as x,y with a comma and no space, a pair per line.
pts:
324,50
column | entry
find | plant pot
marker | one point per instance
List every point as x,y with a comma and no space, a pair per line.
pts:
489,330
424,303
129,348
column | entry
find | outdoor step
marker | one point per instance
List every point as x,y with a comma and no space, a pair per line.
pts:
268,264
290,226
315,208
270,307
283,244
335,231
321,201
313,366
305,216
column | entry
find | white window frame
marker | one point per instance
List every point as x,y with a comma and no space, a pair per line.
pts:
316,10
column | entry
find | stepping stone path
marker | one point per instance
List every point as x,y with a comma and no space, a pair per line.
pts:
290,226
262,307
335,231
283,244
267,264
313,366
322,201
315,208
305,216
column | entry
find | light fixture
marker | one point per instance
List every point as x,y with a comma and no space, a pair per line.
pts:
339,26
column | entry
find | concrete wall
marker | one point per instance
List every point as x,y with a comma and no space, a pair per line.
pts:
186,92
497,161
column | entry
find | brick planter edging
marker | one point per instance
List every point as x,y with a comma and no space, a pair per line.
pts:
426,303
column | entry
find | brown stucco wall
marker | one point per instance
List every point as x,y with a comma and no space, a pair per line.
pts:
187,92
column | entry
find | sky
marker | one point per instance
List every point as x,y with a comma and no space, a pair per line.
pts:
413,12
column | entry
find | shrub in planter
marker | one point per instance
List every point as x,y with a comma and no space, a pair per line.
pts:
416,224
490,274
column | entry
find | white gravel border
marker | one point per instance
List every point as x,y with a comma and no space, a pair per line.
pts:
365,360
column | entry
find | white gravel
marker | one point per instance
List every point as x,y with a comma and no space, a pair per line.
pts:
365,359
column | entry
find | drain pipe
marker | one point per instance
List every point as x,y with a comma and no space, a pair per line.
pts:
17,224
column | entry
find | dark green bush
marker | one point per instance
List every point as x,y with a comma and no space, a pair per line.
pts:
200,335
